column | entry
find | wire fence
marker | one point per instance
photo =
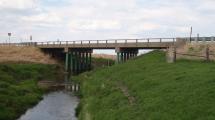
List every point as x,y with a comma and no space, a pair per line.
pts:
206,54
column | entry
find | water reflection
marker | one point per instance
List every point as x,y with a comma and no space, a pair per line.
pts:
55,106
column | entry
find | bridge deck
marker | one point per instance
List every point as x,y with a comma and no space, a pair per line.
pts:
153,43
111,44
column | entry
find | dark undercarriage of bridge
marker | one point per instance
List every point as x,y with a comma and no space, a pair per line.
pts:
78,60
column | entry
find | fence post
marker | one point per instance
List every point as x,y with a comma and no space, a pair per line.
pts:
207,53
174,54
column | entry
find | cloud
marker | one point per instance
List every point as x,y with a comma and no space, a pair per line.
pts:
94,25
102,19
17,4
43,20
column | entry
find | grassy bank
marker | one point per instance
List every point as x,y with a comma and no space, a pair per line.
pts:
18,87
148,88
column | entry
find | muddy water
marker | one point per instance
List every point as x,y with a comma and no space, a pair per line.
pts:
55,106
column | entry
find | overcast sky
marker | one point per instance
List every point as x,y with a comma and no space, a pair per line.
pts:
49,20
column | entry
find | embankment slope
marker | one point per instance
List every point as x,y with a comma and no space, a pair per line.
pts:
148,88
24,54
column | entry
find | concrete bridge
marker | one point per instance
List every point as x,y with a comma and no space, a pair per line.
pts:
78,54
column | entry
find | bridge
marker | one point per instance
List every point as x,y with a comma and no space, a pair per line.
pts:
78,54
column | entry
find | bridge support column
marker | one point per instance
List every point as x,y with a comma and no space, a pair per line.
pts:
66,59
124,54
87,61
90,60
67,62
80,60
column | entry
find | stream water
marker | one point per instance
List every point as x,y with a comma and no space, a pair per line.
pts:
55,106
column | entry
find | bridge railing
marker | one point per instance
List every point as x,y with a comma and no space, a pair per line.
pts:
92,42
111,41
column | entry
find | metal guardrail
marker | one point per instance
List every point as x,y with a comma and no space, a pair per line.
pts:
89,42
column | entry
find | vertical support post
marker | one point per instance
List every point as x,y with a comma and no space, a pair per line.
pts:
90,62
75,63
127,56
131,55
207,53
174,54
66,61
122,57
87,62
84,61
79,62
118,58
71,62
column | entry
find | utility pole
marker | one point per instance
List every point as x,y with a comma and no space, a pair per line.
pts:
191,32
198,37
31,38
9,35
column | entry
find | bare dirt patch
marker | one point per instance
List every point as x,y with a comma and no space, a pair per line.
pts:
125,91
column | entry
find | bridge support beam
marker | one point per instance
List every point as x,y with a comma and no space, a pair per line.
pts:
80,60
124,54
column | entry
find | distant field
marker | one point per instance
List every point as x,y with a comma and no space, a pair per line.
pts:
148,88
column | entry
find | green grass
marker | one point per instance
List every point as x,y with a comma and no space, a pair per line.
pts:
162,91
18,87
